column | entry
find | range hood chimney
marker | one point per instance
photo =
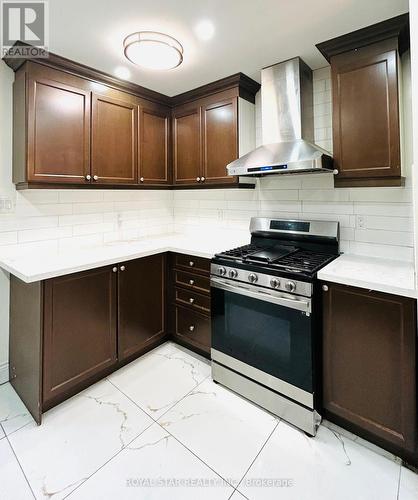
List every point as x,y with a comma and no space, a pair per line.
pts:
288,126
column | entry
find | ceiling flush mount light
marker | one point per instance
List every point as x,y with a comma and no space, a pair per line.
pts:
153,50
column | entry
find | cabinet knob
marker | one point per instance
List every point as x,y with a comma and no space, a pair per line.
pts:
191,300
335,172
88,177
122,268
191,328
95,177
202,179
191,263
198,179
191,282
141,179
325,288
115,269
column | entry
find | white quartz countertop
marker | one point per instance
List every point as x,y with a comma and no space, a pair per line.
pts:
37,267
382,275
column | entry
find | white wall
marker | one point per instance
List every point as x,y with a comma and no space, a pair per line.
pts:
374,221
413,7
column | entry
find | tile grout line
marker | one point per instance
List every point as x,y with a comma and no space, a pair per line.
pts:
137,436
21,467
257,455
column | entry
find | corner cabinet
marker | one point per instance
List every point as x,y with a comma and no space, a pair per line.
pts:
365,102
207,135
68,332
77,127
369,366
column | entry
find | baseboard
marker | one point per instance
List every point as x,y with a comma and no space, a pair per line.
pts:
4,372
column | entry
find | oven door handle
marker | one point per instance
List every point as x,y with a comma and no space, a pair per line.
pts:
300,304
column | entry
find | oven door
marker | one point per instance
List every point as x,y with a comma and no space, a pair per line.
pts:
264,335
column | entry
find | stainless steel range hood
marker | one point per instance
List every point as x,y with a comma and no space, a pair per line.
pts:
287,125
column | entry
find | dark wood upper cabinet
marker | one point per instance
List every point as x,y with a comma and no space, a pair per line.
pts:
369,365
154,146
114,140
141,316
74,125
58,128
79,330
220,140
366,125
187,148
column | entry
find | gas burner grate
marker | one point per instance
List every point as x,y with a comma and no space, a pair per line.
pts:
240,252
304,261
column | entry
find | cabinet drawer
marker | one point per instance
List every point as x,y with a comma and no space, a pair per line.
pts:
197,264
193,299
193,327
192,281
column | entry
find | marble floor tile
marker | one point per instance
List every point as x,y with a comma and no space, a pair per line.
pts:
327,467
160,378
221,428
13,413
238,496
76,438
408,485
13,485
155,466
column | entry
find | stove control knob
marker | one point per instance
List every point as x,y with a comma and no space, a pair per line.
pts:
222,271
252,278
290,286
233,273
274,282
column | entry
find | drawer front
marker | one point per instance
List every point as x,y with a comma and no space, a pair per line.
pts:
192,263
193,299
193,327
192,281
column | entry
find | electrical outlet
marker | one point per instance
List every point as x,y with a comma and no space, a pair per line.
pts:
361,221
6,205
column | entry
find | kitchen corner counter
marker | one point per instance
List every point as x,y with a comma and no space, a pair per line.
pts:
37,267
382,275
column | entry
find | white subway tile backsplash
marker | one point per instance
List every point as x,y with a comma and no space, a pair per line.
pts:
373,221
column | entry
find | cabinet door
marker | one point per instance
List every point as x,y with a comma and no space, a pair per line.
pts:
141,304
79,330
369,362
366,114
58,132
114,140
154,147
220,140
187,146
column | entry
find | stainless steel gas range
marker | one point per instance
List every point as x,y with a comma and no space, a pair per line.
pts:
266,316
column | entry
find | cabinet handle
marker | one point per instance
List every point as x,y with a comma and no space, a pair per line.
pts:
88,177
198,179
325,288
202,179
191,300
191,263
95,177
141,179
191,328
115,269
191,282
122,268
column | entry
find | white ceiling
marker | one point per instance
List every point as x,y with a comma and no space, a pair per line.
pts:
249,34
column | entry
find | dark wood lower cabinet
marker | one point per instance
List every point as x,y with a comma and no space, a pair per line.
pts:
79,330
68,332
141,293
189,302
369,366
